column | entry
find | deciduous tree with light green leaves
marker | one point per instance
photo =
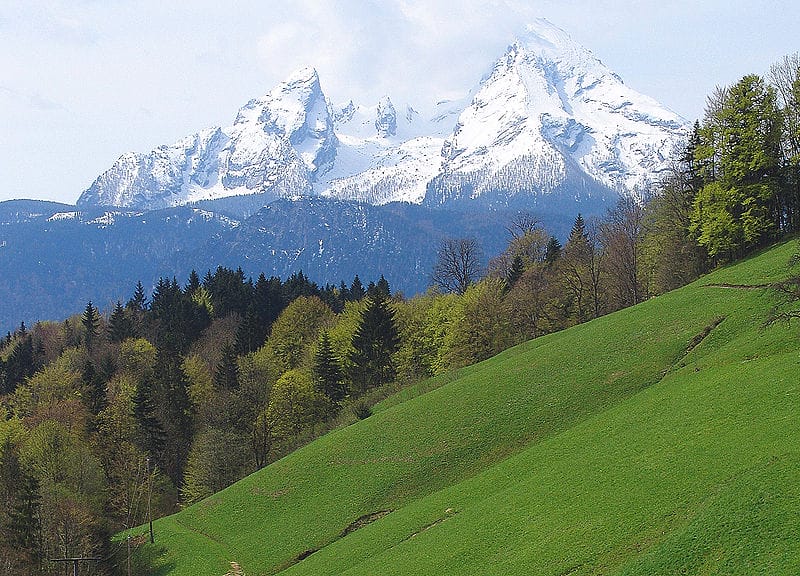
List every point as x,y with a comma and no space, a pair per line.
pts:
738,209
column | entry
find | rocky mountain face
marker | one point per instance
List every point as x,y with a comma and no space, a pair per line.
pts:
549,119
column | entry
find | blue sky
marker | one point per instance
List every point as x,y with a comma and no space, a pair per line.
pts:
83,81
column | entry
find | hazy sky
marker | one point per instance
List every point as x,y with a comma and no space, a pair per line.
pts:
82,81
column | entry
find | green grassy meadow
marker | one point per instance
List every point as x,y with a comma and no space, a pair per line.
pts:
628,445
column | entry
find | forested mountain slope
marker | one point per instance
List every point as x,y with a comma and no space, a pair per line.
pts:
661,439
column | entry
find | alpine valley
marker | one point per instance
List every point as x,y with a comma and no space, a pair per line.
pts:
300,183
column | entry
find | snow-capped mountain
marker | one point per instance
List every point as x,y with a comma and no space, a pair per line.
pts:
548,119
548,111
276,146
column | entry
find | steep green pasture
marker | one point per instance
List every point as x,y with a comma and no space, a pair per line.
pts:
628,445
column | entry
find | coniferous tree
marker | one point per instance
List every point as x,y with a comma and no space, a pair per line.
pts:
91,326
95,387
230,293
226,376
151,437
298,285
178,320
357,291
575,268
381,286
194,282
327,372
138,301
175,413
344,292
248,333
268,302
120,325
374,343
21,500
515,272
20,364
553,250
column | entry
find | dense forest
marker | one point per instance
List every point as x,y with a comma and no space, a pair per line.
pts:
110,418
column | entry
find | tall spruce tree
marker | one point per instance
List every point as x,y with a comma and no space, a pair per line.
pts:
226,376
175,412
515,272
20,526
327,372
374,343
120,325
91,326
20,364
151,434
138,301
552,251
95,386
357,291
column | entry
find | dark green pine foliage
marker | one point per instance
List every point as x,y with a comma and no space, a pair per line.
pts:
374,343
515,272
91,326
382,286
95,386
138,301
194,283
226,376
120,325
137,308
578,228
178,320
21,363
331,295
20,500
553,250
327,372
230,292
357,291
69,334
298,285
344,292
249,333
24,525
693,167
151,435
267,303
175,413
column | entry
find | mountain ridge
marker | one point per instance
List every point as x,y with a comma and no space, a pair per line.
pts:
548,114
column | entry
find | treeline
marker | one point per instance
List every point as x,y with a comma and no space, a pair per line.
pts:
107,419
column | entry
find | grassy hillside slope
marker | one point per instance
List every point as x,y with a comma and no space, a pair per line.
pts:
662,439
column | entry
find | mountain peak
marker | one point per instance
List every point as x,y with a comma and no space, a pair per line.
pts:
547,42
386,118
305,75
544,33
